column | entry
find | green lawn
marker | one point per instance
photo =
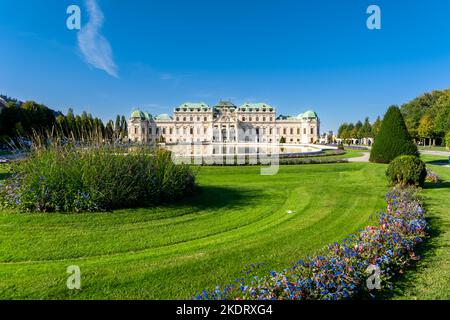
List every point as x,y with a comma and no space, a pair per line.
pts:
430,279
238,218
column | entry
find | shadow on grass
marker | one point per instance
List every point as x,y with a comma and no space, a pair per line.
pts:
212,197
442,162
4,175
442,185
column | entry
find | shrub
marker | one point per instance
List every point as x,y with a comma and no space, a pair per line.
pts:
406,170
69,178
393,139
341,273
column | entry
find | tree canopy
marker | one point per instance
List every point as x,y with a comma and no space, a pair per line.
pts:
427,117
23,119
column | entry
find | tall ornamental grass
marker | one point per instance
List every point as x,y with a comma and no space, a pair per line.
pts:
65,177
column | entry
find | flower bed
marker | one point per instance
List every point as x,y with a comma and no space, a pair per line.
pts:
342,272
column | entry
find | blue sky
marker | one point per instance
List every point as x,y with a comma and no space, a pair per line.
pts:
295,55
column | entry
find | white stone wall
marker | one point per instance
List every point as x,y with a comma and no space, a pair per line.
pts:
231,126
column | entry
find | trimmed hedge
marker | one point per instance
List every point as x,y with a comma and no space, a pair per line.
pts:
393,139
406,170
342,273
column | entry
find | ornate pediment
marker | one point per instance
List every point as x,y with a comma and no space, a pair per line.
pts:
226,116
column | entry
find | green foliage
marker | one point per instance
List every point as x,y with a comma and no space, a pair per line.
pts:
406,170
359,130
447,140
376,127
68,178
434,107
393,139
24,119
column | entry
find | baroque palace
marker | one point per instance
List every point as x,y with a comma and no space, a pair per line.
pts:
225,122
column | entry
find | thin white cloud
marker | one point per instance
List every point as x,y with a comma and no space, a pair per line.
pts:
93,45
166,77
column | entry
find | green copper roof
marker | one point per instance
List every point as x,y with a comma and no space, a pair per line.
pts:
193,105
225,104
147,116
255,106
163,117
137,114
310,114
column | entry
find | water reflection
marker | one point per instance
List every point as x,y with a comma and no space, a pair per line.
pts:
240,149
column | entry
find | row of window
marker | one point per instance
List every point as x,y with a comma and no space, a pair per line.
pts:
191,119
205,130
250,119
205,119
136,139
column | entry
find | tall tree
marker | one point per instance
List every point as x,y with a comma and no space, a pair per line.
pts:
376,127
117,128
425,130
124,128
366,129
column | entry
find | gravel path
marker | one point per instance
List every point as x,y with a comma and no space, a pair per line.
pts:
436,153
363,158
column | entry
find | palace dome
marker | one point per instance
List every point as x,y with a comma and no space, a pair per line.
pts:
310,114
137,114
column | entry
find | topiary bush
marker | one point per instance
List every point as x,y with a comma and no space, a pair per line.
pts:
406,170
70,178
393,139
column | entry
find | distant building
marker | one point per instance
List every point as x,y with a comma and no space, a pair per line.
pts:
225,122
327,138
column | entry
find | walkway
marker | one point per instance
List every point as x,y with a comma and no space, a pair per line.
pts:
363,158
436,153
366,155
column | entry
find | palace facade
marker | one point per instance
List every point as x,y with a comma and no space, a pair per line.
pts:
225,122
